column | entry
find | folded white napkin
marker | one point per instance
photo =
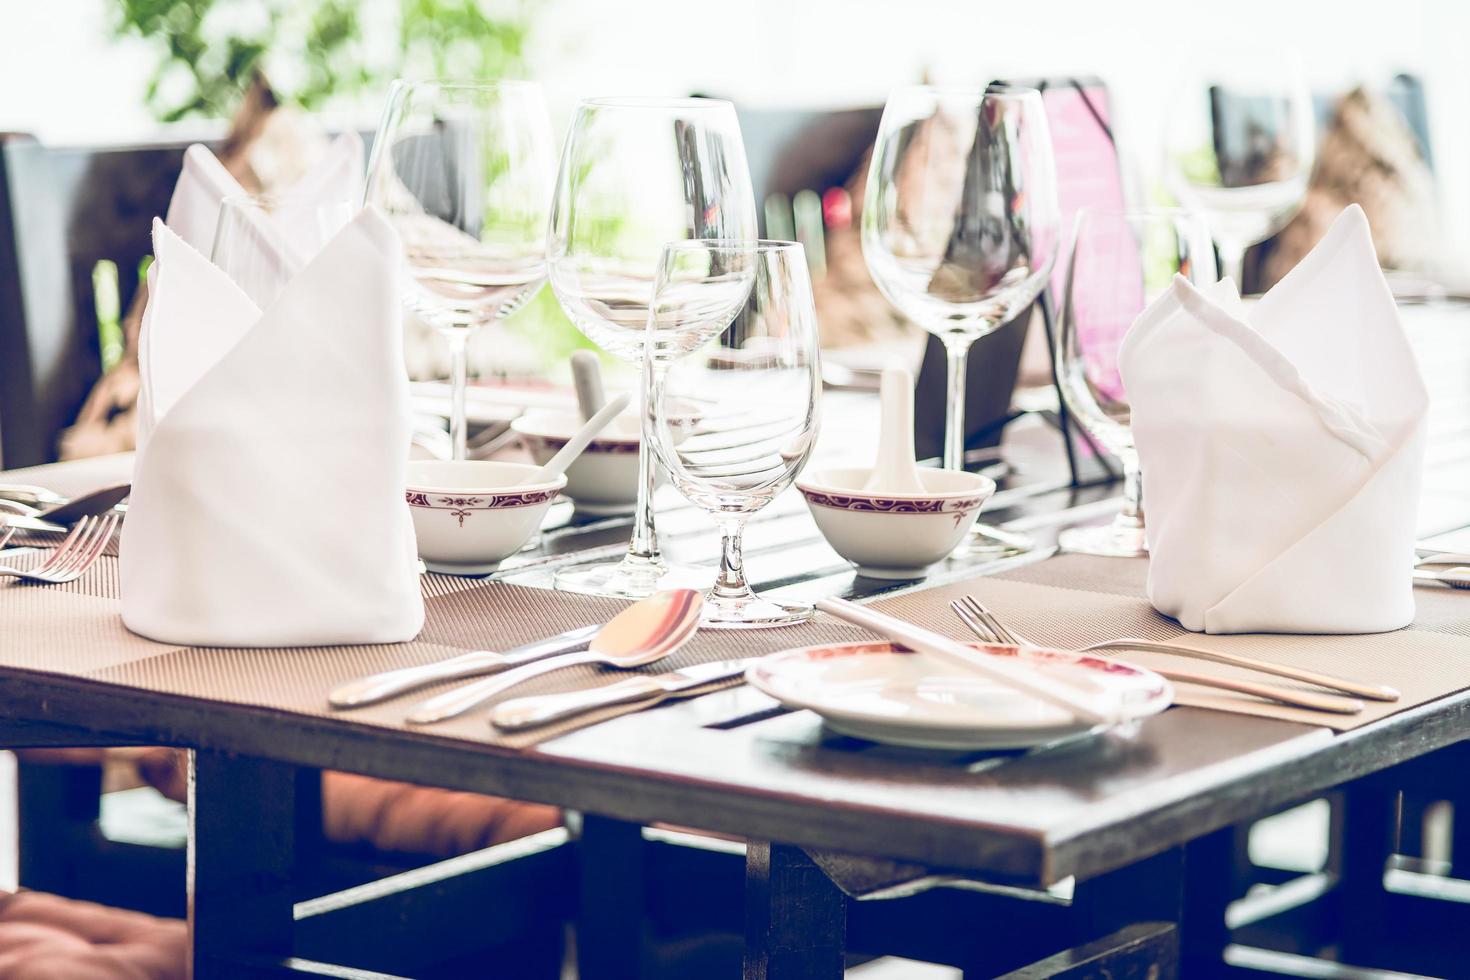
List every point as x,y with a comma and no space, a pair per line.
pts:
1281,448
204,182
267,505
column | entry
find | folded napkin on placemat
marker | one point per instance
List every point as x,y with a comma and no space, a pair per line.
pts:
267,505
1281,448
204,183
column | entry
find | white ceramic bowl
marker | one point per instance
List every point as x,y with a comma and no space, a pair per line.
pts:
469,515
604,479
894,536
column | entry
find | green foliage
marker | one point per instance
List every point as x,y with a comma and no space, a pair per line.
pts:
313,51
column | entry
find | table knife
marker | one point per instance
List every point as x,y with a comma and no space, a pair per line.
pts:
543,709
380,687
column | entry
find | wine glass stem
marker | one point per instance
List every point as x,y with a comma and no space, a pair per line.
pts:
1132,490
644,543
957,353
731,583
458,382
1232,264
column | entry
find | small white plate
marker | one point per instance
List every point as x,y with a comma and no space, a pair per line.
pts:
886,693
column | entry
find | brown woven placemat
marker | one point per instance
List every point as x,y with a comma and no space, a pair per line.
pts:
1067,601
1073,600
76,629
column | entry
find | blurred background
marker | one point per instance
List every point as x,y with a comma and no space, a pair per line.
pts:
1390,88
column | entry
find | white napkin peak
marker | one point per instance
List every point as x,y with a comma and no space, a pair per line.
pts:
1281,447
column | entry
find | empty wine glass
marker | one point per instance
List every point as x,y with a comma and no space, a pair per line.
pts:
1121,260
960,222
635,175
734,380
1240,144
261,241
463,171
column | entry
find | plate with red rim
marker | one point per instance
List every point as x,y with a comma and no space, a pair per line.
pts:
884,692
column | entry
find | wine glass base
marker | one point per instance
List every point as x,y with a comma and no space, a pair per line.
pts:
752,612
1116,540
630,578
988,541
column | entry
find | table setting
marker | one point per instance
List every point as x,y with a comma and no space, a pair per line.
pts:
279,556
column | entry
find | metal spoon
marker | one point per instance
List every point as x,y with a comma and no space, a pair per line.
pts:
646,631
55,517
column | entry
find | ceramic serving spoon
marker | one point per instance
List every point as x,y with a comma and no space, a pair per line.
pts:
646,631
894,471
587,380
580,440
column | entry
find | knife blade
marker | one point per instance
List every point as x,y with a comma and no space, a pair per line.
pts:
646,690
379,687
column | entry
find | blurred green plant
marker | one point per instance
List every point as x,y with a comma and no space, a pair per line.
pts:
314,51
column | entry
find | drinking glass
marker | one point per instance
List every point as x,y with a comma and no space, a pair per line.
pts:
463,171
262,240
1240,142
734,380
635,175
1121,260
960,222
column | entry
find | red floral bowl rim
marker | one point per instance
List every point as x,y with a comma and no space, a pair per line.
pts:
984,487
480,490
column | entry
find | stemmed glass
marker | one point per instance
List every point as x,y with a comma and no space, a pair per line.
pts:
463,171
262,240
734,378
635,175
1240,144
1121,260
960,222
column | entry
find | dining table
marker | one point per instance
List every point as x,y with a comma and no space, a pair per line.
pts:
1032,863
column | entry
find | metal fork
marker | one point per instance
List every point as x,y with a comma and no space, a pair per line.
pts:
79,552
984,624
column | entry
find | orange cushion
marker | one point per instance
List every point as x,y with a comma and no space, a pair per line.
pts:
45,937
391,816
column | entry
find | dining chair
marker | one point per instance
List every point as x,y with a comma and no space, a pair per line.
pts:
63,210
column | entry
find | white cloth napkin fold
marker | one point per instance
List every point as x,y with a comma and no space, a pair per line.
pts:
267,505
1281,447
204,183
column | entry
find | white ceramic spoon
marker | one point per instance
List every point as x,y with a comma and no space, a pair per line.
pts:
587,380
580,440
894,470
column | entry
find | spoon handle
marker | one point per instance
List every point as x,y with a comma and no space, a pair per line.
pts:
453,703
380,687
557,465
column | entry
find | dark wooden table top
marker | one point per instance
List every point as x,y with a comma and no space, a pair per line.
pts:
734,762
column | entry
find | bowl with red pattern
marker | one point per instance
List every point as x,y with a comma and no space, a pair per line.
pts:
470,515
894,535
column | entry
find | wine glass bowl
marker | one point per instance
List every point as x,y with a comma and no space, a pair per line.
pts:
463,171
636,174
1121,260
1240,145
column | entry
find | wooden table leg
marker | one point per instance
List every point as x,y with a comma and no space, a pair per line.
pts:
242,815
610,919
795,917
1365,832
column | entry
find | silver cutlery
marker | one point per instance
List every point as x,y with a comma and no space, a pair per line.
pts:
54,516
1455,578
1021,677
391,683
985,625
645,691
77,553
24,493
646,631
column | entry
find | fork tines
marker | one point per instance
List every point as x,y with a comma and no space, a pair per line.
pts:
77,553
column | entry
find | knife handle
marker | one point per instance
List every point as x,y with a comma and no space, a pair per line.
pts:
542,709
